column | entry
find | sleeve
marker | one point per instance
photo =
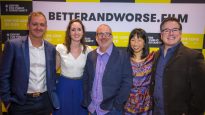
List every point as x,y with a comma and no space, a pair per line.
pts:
58,47
197,80
86,84
61,49
58,60
5,73
126,83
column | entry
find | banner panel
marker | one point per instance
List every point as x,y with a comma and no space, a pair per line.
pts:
194,41
16,7
121,18
13,34
14,22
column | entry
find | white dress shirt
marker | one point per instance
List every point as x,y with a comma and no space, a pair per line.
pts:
37,75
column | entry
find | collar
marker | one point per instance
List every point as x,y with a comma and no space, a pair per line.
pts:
31,45
172,49
108,51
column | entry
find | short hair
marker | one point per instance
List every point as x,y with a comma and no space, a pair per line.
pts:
103,25
37,13
140,34
67,42
173,19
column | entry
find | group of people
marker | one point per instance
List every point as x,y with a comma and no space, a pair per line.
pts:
103,81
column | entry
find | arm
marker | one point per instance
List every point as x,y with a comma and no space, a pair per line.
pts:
85,85
125,84
5,73
58,60
197,80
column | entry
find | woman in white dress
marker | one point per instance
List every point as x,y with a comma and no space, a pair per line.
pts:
71,58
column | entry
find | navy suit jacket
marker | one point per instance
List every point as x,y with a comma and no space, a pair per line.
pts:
14,71
116,82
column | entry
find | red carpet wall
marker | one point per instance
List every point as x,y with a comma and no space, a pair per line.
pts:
121,15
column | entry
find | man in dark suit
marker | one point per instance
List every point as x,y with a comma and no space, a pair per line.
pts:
27,72
178,80
107,77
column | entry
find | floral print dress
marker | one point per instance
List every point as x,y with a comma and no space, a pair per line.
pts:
140,101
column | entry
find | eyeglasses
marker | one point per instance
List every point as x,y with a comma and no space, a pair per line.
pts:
174,30
106,34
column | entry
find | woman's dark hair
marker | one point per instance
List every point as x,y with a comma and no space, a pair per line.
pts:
140,34
67,42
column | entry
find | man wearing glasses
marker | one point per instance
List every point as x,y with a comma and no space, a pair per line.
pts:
178,74
107,77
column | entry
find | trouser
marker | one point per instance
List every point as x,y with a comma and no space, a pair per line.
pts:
112,112
39,105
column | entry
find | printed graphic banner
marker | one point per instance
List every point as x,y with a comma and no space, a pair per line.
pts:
122,17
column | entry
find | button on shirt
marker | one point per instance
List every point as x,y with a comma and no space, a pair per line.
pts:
158,89
37,74
97,94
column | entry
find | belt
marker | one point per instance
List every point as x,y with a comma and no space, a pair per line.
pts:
75,78
72,78
36,94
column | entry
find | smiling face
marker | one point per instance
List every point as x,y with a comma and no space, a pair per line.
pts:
137,44
76,31
37,26
104,37
171,34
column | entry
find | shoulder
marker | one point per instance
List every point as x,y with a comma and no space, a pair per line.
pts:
19,39
48,43
16,42
120,53
61,48
150,56
49,46
92,54
188,52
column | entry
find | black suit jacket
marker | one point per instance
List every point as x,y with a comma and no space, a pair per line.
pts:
183,82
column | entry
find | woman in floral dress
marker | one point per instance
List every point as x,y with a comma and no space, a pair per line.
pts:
139,101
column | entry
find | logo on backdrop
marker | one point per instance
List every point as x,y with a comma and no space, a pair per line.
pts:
16,7
114,17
